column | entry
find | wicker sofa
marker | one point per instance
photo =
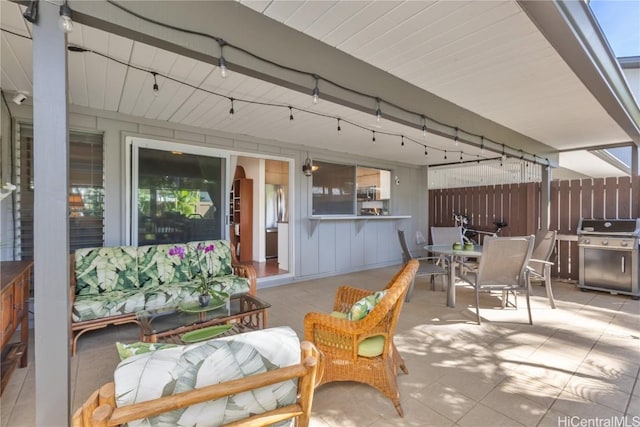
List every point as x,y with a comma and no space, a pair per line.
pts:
262,377
110,284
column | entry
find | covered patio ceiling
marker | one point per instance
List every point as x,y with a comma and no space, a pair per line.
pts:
490,68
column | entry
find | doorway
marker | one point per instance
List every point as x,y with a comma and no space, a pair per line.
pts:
271,206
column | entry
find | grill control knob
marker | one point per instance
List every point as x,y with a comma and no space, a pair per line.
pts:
587,241
605,242
624,243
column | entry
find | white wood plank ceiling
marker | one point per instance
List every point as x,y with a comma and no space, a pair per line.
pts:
484,56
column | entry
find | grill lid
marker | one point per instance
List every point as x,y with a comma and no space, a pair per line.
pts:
626,227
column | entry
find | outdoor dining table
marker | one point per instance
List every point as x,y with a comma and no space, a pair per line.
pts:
453,256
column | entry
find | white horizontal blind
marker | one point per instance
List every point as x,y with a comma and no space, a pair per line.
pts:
86,177
493,172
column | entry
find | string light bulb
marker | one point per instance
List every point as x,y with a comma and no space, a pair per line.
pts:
316,91
426,153
445,154
482,145
378,111
65,22
232,111
290,112
402,139
339,128
455,138
424,126
222,63
374,136
156,88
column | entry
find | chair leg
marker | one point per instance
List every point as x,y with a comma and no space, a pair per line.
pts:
547,286
529,307
477,304
410,290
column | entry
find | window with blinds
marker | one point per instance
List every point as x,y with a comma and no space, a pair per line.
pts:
86,190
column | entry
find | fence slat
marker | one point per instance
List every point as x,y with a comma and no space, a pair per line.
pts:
564,219
598,198
624,197
611,202
587,198
554,208
575,188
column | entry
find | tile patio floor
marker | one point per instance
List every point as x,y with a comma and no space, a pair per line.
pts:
576,364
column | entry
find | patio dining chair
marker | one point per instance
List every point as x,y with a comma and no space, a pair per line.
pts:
429,265
539,268
503,268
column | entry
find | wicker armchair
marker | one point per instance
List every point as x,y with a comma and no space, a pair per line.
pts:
339,339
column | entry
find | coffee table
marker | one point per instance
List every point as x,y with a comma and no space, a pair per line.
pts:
244,312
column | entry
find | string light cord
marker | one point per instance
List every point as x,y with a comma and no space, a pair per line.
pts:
422,118
79,49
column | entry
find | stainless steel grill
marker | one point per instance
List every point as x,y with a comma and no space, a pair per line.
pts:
609,254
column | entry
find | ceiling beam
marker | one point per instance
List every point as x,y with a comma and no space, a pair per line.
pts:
291,50
572,30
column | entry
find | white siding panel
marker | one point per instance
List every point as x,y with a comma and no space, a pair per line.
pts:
342,250
327,242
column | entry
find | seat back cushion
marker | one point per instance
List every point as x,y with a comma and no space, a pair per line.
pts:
99,270
210,257
174,370
160,264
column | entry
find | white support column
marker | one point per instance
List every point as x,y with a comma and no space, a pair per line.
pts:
51,225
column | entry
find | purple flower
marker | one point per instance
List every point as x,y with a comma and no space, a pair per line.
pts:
177,250
209,248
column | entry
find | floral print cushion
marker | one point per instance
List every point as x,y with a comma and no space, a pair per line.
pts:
160,264
233,285
364,306
170,295
211,257
99,270
173,370
114,303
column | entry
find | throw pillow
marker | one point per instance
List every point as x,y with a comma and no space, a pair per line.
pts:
128,350
364,306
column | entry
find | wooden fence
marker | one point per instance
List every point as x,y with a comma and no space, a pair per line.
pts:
519,206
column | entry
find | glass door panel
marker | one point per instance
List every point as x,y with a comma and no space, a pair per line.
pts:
179,197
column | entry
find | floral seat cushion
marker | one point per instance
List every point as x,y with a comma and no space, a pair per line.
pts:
114,303
160,264
89,307
173,370
100,270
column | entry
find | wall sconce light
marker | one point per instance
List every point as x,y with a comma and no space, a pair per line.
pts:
308,167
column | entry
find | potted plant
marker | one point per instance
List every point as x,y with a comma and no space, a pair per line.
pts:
204,287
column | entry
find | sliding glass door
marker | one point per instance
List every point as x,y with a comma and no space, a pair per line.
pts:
176,196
